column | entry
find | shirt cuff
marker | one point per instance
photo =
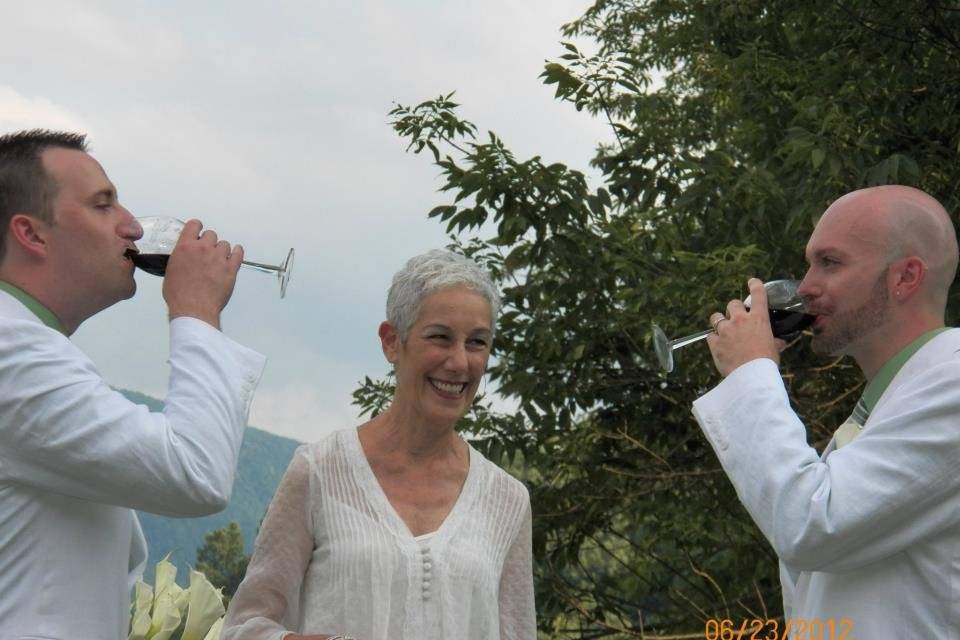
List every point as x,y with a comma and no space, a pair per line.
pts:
186,329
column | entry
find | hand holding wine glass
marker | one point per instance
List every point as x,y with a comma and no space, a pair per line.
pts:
200,274
787,316
745,332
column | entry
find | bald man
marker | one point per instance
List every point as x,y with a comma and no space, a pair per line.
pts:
868,533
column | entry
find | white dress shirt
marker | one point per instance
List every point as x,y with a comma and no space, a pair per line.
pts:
869,532
76,457
333,556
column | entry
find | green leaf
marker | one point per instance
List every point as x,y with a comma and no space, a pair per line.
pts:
816,158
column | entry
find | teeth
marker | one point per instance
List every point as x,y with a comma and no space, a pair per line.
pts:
449,387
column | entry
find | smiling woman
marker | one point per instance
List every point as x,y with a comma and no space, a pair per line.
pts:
399,528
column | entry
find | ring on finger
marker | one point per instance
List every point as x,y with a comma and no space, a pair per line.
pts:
717,323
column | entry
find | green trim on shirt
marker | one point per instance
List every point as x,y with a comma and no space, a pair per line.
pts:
45,315
889,370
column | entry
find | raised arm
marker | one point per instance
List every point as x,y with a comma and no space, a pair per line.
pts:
896,484
65,431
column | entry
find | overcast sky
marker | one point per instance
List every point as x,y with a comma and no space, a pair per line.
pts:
268,121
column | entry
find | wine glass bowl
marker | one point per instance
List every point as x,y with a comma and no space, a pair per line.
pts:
787,308
160,235
788,317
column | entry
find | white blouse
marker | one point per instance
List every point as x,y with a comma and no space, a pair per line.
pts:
333,557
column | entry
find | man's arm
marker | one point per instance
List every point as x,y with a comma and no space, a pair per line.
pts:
896,484
62,429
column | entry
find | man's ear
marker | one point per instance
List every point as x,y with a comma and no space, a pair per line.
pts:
29,234
389,341
908,274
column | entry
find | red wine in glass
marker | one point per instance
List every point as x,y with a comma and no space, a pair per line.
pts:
786,323
152,263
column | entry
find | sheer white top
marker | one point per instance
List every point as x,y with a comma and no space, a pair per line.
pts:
333,556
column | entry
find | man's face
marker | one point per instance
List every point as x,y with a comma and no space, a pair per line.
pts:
846,283
91,230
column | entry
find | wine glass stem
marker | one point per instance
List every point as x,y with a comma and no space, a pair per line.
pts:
693,337
259,266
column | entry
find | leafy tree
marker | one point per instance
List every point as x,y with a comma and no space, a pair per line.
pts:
734,123
222,560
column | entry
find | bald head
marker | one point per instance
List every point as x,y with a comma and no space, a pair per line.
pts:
904,222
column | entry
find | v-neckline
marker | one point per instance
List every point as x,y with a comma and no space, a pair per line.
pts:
375,491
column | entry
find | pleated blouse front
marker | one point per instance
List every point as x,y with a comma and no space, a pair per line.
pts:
333,556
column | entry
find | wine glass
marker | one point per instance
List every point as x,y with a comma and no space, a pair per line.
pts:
788,317
160,235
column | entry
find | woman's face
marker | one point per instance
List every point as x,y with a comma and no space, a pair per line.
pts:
440,365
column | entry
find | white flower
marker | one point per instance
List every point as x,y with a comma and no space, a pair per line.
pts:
206,607
159,612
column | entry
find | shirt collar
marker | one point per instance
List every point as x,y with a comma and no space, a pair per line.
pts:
45,315
891,367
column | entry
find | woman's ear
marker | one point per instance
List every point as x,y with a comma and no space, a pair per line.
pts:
389,341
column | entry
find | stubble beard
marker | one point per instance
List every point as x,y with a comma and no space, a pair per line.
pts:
850,326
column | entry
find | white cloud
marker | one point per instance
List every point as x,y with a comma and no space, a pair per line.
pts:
18,111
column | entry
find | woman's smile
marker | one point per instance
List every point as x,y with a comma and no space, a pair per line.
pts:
446,388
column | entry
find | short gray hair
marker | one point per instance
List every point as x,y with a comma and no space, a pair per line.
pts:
430,272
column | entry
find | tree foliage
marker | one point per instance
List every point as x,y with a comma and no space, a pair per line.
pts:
734,123
222,560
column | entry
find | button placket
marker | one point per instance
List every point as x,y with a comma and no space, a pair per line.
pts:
427,571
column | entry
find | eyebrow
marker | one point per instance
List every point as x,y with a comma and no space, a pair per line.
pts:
108,192
819,253
443,327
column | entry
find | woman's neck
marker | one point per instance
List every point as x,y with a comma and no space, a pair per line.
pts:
394,434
